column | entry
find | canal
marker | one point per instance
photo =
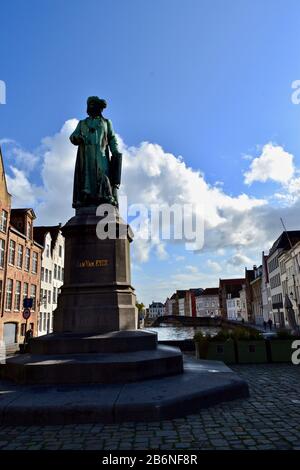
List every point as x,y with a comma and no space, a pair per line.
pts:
166,332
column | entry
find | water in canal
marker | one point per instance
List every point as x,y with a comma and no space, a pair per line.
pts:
170,332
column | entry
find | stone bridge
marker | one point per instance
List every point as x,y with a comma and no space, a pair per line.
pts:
198,321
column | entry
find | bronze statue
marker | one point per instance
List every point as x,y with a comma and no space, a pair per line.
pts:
98,164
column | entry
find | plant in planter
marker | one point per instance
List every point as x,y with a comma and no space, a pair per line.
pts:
250,346
219,347
280,346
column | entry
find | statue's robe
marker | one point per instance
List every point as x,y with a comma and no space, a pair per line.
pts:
92,183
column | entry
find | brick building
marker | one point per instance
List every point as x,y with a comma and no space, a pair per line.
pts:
5,204
23,273
229,288
20,267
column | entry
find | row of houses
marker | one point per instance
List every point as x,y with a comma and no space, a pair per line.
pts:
31,266
270,291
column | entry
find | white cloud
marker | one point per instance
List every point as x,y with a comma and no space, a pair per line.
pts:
192,269
239,260
214,266
179,258
240,222
274,163
20,188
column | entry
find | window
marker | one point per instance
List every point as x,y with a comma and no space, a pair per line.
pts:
12,252
20,256
275,281
1,287
25,290
3,221
28,232
58,272
17,296
48,250
9,290
50,276
2,253
44,321
42,274
60,251
55,271
49,296
34,262
33,295
27,259
41,322
46,275
45,297
54,295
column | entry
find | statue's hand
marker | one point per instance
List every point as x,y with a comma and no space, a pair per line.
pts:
77,139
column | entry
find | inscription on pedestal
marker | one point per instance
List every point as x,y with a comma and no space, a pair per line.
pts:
93,263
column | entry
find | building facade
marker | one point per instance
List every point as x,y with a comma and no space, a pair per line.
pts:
256,296
283,243
265,290
228,287
289,264
5,206
22,277
207,303
171,305
156,309
52,273
233,306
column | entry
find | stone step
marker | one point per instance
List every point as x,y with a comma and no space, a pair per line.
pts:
113,342
203,383
93,368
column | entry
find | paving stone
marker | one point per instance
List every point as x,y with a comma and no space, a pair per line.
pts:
268,420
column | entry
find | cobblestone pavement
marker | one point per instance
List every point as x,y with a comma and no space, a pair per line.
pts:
269,419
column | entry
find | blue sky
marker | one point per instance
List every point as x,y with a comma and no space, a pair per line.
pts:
206,80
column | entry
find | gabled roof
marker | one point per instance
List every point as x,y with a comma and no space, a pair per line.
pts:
2,173
283,241
232,281
23,210
197,291
156,305
210,291
40,232
181,293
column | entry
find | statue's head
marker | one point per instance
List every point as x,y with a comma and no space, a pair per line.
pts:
95,106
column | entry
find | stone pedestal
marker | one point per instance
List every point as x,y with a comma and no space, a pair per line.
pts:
95,337
97,296
95,341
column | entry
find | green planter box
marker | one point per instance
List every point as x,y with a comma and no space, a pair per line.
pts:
281,350
217,351
251,352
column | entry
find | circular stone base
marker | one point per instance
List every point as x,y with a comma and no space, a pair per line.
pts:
202,384
97,368
113,342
